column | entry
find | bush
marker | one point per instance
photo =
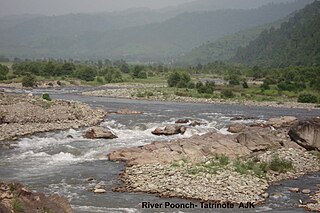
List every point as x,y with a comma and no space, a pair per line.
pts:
205,88
280,165
46,96
227,93
29,81
245,85
307,98
17,206
86,73
179,79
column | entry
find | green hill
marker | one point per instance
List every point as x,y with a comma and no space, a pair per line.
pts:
295,43
126,36
224,48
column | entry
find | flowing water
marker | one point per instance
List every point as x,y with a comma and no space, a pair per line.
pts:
58,163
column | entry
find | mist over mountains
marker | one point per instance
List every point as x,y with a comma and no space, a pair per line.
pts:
139,34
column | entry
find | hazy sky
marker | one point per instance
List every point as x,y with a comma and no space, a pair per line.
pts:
57,7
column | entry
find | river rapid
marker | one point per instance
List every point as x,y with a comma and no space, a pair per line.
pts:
57,163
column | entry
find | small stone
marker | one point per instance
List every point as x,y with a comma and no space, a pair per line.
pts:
306,191
296,190
98,186
99,191
90,178
265,195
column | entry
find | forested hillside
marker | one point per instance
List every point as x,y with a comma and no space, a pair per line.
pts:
100,36
224,48
296,43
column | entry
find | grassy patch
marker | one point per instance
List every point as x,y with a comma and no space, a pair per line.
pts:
278,164
260,169
16,206
211,166
251,167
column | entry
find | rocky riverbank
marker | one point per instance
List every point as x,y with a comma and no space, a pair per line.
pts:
225,168
140,94
22,115
15,197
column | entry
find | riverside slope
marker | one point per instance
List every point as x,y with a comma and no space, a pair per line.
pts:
22,115
191,168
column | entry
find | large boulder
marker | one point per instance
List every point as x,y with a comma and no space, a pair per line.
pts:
259,139
281,122
170,130
236,128
306,133
100,132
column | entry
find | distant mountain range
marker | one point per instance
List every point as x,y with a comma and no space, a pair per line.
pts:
138,34
295,43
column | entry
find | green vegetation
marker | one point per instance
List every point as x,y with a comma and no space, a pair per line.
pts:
294,44
179,79
257,168
280,165
46,96
16,205
4,70
29,80
307,98
211,166
251,166
140,36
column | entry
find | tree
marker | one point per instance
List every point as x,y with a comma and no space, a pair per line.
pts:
179,79
29,80
4,70
112,76
138,72
307,98
86,73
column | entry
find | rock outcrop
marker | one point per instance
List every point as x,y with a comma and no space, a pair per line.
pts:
15,197
236,128
281,122
100,132
306,133
170,130
259,139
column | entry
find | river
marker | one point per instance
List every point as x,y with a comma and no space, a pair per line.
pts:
56,163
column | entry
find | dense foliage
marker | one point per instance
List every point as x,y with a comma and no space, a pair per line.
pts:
296,43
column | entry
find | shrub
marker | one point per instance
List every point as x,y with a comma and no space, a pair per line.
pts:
280,165
245,85
307,98
29,81
227,93
191,85
86,73
205,88
179,79
100,80
16,206
46,96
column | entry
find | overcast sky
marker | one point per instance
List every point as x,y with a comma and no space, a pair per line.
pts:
58,7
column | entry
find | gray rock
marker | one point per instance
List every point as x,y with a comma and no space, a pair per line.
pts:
306,133
236,128
306,191
99,132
